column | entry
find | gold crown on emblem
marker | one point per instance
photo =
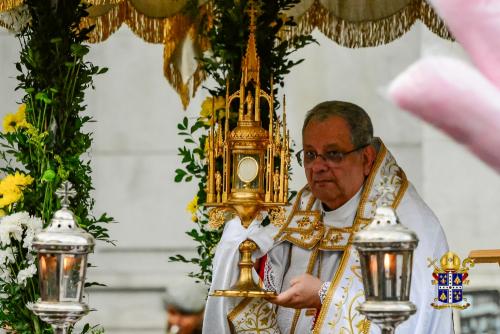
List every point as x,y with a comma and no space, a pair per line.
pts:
450,262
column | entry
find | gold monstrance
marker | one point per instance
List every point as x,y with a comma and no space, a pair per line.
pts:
254,173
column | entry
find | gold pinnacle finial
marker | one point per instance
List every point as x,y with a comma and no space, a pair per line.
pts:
251,62
252,12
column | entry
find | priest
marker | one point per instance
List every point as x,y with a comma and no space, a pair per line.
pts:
309,260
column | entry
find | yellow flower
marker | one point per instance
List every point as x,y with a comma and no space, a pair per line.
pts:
8,194
193,205
12,122
11,188
208,106
2,213
19,179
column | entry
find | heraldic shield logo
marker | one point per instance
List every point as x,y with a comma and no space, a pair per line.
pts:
450,279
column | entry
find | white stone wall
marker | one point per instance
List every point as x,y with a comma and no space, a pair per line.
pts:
134,158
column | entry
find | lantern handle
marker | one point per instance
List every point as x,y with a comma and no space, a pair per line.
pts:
65,192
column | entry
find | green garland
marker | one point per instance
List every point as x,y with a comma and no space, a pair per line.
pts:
228,36
45,140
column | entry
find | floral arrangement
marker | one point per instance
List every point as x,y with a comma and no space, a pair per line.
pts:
228,40
42,145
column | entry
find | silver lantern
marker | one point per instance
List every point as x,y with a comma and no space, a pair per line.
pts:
385,250
62,250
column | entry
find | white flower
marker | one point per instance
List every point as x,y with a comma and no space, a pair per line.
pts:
7,256
30,256
34,225
5,274
8,230
26,273
16,19
13,226
18,218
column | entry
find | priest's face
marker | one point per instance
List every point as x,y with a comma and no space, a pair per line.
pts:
334,181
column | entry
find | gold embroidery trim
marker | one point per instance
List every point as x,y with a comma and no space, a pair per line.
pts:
357,222
310,235
237,310
310,268
294,209
248,321
326,303
402,190
371,178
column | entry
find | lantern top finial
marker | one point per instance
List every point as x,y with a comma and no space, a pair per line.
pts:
65,192
385,229
63,233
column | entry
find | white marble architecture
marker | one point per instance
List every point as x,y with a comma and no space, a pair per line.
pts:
134,158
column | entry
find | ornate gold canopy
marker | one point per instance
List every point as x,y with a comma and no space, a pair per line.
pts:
353,23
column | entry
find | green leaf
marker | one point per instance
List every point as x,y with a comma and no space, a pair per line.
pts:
179,174
48,176
79,50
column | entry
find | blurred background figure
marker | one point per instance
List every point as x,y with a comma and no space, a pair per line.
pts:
184,303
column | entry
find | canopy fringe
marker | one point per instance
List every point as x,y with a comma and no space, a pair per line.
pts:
6,5
170,31
368,33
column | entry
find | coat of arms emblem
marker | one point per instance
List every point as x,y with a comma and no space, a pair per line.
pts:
450,278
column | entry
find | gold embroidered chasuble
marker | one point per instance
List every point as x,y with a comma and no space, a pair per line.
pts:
310,243
314,241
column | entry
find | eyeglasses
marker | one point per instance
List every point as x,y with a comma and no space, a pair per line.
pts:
306,158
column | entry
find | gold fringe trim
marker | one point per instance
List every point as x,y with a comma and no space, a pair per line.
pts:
103,2
6,5
149,29
170,31
105,25
367,33
175,32
433,22
175,35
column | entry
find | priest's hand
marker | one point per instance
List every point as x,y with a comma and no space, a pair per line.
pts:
303,293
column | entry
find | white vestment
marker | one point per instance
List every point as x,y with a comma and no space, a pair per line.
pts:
317,242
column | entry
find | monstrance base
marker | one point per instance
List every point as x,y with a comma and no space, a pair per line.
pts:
244,293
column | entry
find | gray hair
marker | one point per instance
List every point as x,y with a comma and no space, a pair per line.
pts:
357,119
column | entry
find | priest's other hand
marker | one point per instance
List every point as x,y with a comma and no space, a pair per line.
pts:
303,293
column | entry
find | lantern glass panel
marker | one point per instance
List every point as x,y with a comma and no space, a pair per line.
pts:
388,276
368,262
406,265
48,267
246,172
72,276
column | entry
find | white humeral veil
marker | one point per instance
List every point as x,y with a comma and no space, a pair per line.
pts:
314,243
